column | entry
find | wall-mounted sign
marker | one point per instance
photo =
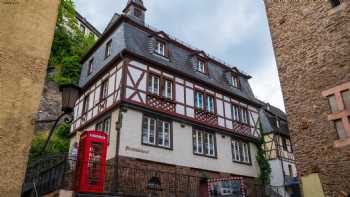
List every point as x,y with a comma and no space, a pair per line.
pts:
226,187
128,148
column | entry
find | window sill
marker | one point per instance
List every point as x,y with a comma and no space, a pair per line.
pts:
342,143
244,163
208,156
156,146
162,56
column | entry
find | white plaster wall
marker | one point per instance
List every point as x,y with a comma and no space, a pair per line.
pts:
113,134
182,149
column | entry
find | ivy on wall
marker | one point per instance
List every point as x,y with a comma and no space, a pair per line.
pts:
265,169
69,45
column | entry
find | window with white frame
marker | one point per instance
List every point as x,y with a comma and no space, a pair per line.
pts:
240,151
199,100
209,104
160,48
104,126
235,81
153,84
204,143
201,66
240,114
168,89
156,132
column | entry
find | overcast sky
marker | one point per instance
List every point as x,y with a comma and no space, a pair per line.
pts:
235,31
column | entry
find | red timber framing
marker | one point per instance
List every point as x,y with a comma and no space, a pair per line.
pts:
129,79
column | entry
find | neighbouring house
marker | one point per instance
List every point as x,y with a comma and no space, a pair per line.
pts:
279,151
50,103
168,108
311,41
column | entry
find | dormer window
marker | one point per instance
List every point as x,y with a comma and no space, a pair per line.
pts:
201,66
277,123
234,81
108,49
90,66
160,48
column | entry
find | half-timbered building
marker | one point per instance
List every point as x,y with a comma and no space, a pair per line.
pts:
168,107
279,151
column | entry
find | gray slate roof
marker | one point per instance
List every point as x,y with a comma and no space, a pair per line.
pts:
129,37
268,115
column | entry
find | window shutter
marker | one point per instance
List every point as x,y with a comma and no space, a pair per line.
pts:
151,44
228,77
194,63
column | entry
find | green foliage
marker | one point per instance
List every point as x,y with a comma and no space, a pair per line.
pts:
68,46
265,169
59,142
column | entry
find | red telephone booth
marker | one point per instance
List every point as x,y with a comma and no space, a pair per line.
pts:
91,162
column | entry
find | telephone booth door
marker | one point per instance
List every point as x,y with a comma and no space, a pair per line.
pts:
91,163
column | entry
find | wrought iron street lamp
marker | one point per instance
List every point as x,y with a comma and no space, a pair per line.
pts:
70,94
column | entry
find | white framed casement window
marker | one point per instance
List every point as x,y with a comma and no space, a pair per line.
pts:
199,100
204,143
104,126
245,116
235,112
240,151
234,81
168,89
153,84
209,104
149,131
160,48
156,132
164,134
201,66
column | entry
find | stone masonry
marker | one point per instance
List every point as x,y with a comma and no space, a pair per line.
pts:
26,33
312,47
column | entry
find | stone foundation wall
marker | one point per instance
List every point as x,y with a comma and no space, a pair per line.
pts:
181,179
312,47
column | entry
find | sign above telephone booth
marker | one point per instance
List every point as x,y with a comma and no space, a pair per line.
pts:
91,162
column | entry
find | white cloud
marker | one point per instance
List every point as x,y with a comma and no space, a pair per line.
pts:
266,85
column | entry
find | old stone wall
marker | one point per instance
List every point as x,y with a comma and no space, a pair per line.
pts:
173,177
26,33
49,108
312,47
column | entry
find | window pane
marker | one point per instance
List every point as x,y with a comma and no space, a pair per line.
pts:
194,138
160,133
166,134
145,130
346,99
340,129
211,145
199,100
333,103
200,142
152,131
206,144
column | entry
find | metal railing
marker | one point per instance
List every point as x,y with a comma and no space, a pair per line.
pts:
53,173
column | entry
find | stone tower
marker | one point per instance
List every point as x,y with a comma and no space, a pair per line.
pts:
136,10
311,40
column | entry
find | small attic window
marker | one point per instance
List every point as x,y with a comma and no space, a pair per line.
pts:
335,3
235,81
201,66
160,48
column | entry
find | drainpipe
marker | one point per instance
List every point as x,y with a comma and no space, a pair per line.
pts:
115,185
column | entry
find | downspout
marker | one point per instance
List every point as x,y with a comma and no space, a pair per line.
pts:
115,185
